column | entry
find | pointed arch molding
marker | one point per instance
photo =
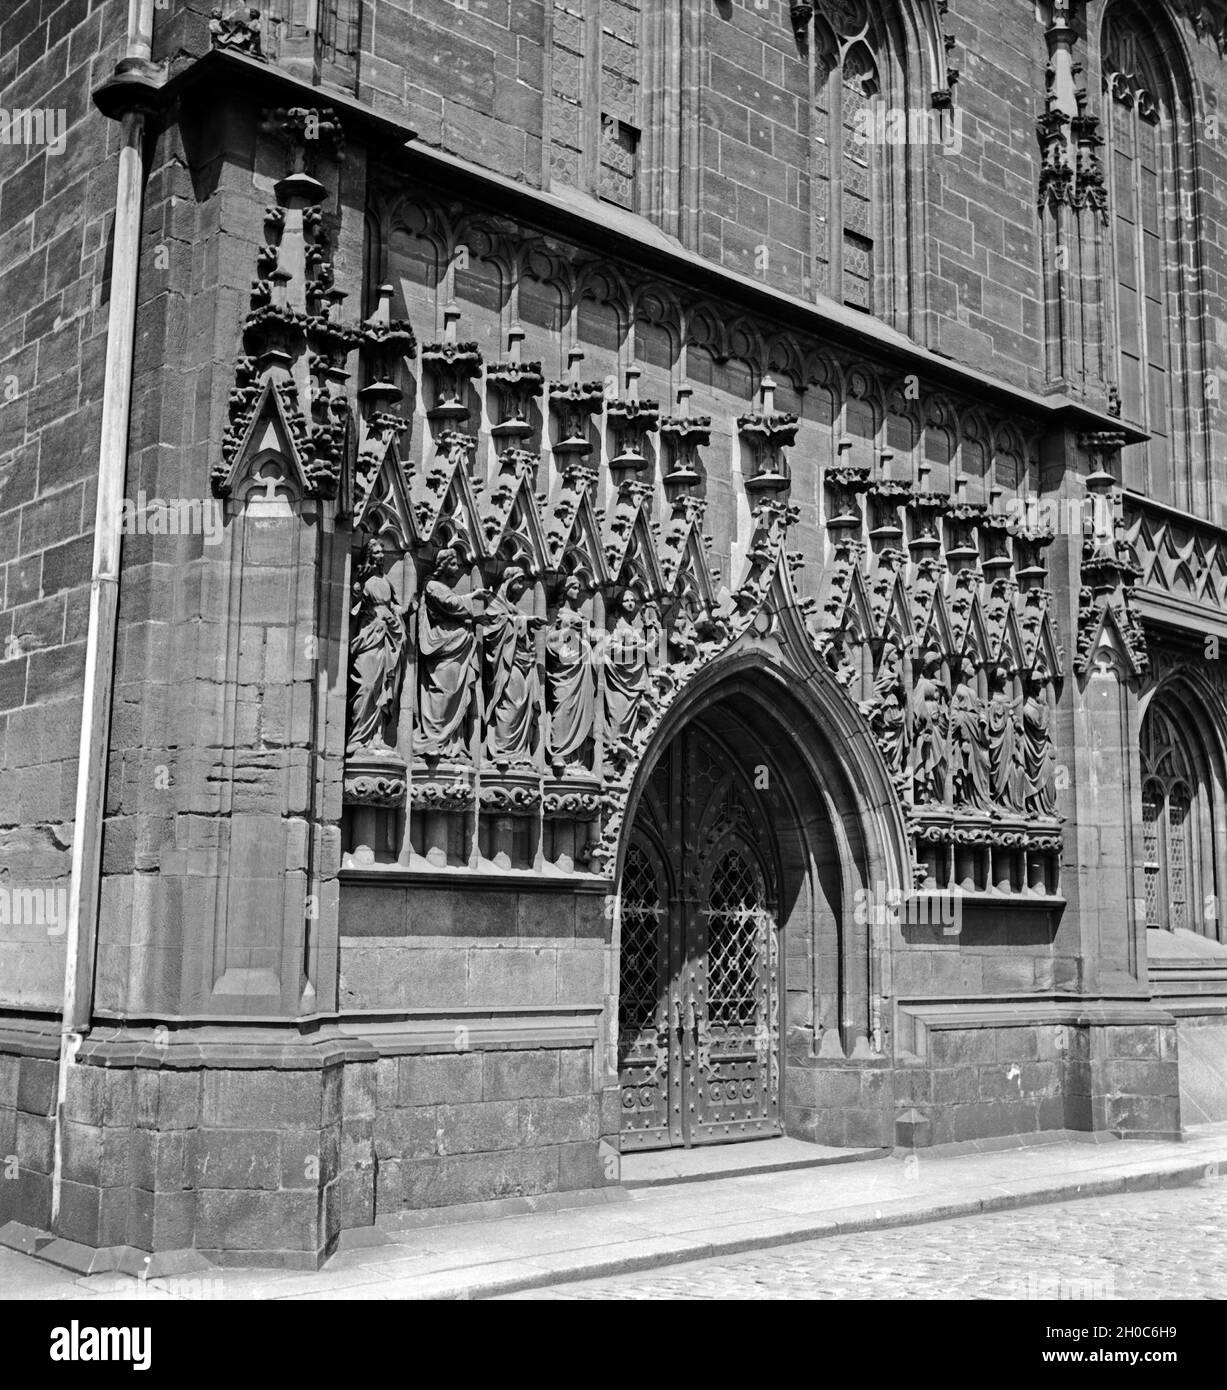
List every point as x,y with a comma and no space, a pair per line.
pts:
1152,115
921,27
772,658
1191,695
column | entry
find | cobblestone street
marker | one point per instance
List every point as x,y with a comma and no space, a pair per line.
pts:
1161,1244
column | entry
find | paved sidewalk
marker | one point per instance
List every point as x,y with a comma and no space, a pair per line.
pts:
679,1222
1169,1243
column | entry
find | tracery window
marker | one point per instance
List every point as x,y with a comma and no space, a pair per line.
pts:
1177,829
849,133
1153,254
882,115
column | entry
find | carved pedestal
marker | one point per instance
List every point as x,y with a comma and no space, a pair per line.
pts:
374,796
507,829
572,808
441,800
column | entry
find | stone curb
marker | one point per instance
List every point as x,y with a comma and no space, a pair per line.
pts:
575,1266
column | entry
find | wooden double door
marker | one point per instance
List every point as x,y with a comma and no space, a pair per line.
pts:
699,1001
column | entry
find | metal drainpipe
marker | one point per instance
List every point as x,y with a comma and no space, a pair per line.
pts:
120,97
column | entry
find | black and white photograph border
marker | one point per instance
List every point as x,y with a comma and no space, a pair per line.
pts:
610,676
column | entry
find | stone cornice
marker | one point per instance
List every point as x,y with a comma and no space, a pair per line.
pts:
1017,1011
328,1040
465,879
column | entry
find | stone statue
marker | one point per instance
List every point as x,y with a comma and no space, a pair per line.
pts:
969,762
626,674
571,682
378,648
1005,759
1039,764
447,664
888,710
839,660
512,681
683,639
930,723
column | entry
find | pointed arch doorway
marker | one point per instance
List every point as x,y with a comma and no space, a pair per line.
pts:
700,978
750,984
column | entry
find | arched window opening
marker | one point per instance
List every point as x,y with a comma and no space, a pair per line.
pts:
857,88
1178,830
848,138
880,114
1153,252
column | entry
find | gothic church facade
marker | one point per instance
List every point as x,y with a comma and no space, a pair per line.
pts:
584,576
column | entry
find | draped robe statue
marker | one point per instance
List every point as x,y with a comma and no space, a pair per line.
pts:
447,661
512,681
1005,754
571,683
1039,764
969,761
626,674
377,653
887,711
931,720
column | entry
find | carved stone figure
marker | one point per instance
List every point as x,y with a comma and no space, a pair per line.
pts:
839,660
570,682
683,639
377,653
888,711
1039,764
626,674
969,762
930,723
1005,758
447,664
512,681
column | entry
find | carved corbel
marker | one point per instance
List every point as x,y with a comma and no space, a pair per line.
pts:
307,134
451,365
516,384
631,421
768,433
683,435
574,403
